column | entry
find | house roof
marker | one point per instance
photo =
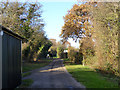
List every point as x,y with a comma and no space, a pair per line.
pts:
10,32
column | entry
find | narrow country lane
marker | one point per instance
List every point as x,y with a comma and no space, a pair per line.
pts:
54,75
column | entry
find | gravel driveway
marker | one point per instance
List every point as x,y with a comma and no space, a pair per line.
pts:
54,75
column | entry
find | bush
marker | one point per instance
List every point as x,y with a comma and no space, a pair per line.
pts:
53,52
90,60
74,55
60,52
34,51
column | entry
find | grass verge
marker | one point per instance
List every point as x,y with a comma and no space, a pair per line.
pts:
34,65
31,66
90,78
26,83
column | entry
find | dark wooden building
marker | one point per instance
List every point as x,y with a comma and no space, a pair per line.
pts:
10,58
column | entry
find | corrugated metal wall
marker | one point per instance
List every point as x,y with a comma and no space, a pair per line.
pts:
11,53
0,61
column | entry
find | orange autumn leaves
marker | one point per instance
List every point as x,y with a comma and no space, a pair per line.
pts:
76,23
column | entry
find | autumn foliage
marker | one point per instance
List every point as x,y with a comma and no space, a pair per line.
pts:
76,23
95,25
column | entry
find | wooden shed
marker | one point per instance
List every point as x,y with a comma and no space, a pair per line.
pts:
10,58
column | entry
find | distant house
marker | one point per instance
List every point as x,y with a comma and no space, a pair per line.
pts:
10,58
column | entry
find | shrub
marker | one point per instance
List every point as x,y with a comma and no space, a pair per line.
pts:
60,52
35,51
74,55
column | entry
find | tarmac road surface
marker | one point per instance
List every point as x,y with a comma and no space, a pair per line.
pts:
54,75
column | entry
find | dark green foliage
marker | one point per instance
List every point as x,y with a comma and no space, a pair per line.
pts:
25,20
22,18
53,53
44,50
25,52
36,52
79,58
65,55
53,48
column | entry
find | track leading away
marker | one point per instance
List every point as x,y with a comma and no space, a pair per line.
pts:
54,75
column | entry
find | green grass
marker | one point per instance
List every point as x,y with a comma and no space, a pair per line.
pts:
31,66
26,83
66,59
54,57
90,78
26,74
